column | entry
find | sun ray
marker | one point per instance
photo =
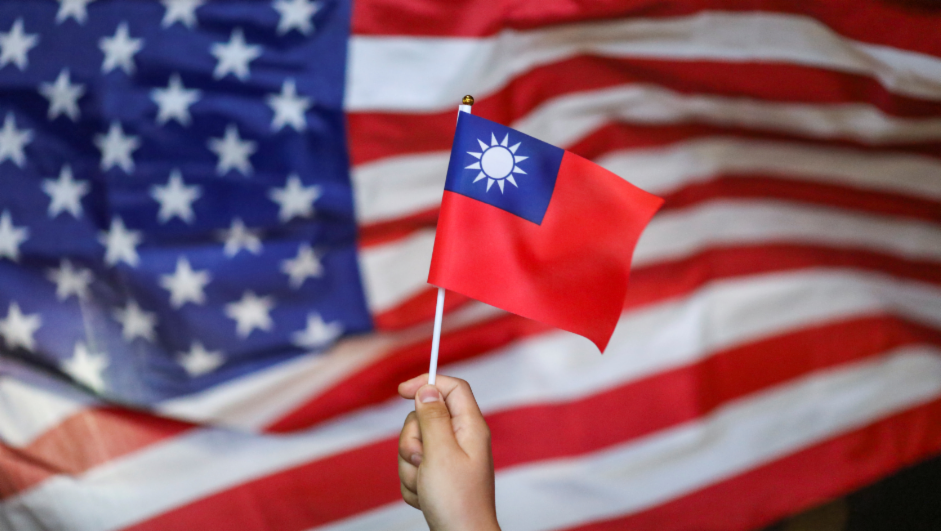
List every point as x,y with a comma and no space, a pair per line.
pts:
494,161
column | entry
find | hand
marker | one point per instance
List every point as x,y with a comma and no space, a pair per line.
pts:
445,463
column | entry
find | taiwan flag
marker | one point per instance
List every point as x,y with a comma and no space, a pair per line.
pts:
536,230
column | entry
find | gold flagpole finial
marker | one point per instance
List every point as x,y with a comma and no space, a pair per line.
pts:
467,100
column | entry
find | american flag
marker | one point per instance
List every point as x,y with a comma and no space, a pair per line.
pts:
216,219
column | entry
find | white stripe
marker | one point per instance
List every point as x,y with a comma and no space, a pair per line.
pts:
400,186
565,119
398,270
258,399
27,410
560,366
738,437
683,232
424,74
552,367
664,170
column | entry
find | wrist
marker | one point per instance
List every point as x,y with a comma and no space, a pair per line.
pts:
483,523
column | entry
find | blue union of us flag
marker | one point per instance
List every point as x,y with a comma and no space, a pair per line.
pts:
175,195
216,220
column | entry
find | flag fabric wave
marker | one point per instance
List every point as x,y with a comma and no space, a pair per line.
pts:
556,248
217,220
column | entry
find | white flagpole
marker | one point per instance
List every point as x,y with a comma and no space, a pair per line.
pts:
465,106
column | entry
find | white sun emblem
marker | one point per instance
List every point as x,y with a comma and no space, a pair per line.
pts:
497,162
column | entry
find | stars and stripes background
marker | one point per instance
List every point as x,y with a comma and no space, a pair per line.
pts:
216,220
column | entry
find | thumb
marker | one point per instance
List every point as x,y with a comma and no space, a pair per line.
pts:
434,419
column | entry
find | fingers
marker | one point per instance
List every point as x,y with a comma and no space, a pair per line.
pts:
457,393
408,388
434,420
410,451
408,476
468,423
410,497
410,445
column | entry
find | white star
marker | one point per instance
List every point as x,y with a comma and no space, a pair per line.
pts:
199,361
135,322
119,50
288,107
176,199
233,152
86,368
17,329
13,140
250,312
295,14
305,264
70,281
238,237
174,101
234,56
180,10
318,334
11,237
76,9
296,200
65,193
15,44
63,96
185,285
121,244
116,148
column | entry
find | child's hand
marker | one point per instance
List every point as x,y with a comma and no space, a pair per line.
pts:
445,463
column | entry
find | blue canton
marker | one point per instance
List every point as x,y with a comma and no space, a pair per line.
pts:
502,167
175,200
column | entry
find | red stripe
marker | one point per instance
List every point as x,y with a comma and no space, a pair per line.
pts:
82,441
379,381
311,494
799,481
352,482
736,186
681,277
396,229
404,315
694,391
378,135
657,282
649,285
901,24
622,136
741,186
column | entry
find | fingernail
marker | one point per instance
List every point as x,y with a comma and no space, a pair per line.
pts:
415,459
428,394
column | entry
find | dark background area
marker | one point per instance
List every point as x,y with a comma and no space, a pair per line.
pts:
907,501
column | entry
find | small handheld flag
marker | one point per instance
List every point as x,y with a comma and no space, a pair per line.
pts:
536,230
